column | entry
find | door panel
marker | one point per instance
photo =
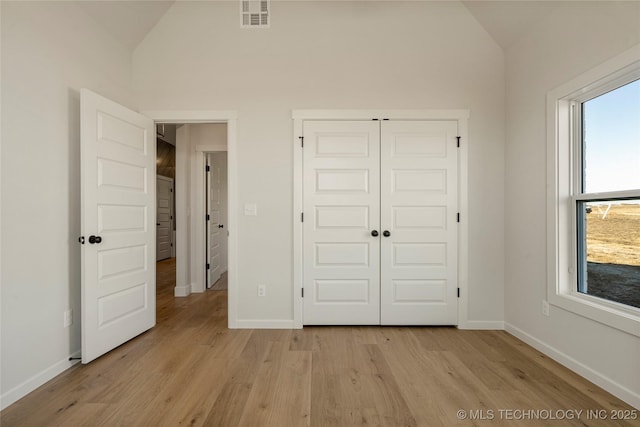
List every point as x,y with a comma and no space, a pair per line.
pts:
216,234
341,204
118,206
419,207
164,217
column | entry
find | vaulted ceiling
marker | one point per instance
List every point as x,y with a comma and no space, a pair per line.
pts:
128,21
506,21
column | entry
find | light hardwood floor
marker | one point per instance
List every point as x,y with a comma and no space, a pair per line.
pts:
191,370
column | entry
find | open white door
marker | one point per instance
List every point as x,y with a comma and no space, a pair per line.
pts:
118,173
164,217
215,227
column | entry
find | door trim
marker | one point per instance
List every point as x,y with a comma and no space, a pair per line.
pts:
190,267
462,117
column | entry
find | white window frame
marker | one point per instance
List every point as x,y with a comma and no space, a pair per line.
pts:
564,167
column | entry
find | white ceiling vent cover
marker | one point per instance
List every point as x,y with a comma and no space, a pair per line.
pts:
255,13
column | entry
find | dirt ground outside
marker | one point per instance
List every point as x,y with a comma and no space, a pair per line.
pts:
613,253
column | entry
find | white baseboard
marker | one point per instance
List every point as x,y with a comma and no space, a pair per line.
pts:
21,390
264,324
482,325
618,390
182,291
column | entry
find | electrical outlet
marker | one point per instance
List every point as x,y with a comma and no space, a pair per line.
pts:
68,318
262,290
545,307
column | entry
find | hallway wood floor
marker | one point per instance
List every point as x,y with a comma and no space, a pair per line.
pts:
191,370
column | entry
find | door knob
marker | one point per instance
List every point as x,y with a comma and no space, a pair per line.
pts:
157,223
95,239
374,233
220,226
386,233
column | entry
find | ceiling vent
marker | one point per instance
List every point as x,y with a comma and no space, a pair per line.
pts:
255,13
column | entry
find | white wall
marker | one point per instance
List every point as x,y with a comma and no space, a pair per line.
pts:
331,55
49,52
571,41
208,134
183,211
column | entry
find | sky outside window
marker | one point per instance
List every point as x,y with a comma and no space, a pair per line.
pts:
611,137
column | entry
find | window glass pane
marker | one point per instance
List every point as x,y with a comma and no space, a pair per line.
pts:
611,140
609,250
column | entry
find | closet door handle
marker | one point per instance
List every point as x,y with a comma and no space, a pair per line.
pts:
386,233
374,233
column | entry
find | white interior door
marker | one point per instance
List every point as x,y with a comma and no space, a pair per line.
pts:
224,212
215,227
380,226
419,199
164,217
118,170
341,187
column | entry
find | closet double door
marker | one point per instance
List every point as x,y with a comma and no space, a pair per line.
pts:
380,231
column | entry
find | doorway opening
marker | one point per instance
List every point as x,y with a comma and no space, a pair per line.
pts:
165,208
199,210
197,134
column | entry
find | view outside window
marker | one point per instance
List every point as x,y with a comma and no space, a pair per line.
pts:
609,225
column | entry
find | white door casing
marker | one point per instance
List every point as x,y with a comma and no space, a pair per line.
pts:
118,205
215,227
341,186
164,217
412,183
419,205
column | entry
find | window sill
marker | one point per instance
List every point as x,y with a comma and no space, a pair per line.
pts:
601,311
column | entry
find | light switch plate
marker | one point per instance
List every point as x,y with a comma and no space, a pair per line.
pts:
250,209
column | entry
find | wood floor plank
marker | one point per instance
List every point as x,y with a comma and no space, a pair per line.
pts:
192,370
280,393
229,406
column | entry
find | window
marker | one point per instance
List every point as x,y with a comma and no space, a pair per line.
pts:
608,195
594,194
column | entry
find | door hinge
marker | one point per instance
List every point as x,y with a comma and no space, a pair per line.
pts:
458,217
302,292
208,168
208,217
458,292
171,190
208,266
458,138
301,138
301,216
81,240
